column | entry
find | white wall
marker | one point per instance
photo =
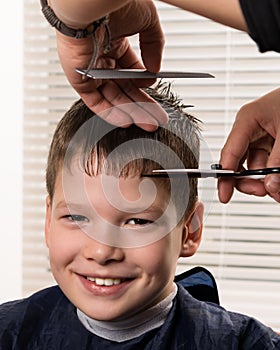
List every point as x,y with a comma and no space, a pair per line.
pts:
11,73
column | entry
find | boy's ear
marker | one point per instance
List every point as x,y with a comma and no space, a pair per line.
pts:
192,231
47,219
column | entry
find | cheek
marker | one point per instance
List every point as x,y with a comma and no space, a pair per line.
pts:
62,249
159,258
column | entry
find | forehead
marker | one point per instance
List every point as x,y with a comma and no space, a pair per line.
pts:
128,194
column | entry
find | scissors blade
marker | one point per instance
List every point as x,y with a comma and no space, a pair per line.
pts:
138,74
193,173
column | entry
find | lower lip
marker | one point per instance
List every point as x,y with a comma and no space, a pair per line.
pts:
97,290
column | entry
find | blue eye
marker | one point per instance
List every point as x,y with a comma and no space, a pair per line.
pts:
137,221
76,218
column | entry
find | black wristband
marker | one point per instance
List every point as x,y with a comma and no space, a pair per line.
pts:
63,28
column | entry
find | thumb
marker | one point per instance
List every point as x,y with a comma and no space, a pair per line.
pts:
272,182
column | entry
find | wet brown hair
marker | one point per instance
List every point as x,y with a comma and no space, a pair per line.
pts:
129,151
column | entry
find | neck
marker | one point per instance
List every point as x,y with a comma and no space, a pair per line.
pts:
133,326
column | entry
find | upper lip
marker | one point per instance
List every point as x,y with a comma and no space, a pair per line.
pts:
91,275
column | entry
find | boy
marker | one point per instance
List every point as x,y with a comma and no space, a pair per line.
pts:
114,236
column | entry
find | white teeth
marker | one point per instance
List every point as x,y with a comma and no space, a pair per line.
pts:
100,281
91,279
104,281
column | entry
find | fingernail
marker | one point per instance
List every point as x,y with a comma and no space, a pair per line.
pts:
273,183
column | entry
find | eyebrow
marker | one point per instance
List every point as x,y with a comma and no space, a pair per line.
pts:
78,206
62,204
143,209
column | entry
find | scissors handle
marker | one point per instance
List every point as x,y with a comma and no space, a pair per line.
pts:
257,173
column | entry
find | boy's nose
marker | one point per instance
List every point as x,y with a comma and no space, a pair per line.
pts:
102,253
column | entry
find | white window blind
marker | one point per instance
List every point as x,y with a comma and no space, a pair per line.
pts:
11,29
241,239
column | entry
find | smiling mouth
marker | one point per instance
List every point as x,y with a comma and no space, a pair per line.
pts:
105,281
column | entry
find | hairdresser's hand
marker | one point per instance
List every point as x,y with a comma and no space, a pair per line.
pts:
100,95
255,137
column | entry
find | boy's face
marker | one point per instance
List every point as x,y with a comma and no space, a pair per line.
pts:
110,281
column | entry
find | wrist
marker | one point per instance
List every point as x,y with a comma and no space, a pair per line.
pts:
71,31
68,13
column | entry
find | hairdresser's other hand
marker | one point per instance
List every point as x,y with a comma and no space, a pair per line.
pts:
100,95
255,137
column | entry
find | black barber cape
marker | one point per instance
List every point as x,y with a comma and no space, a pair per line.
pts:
48,321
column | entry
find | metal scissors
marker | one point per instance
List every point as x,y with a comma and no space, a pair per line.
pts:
216,172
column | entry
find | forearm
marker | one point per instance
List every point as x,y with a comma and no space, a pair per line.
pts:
81,13
227,12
